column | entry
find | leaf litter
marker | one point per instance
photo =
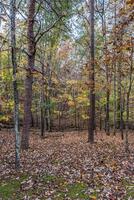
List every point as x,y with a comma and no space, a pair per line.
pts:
67,167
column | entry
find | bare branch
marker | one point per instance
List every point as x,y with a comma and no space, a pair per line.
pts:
48,29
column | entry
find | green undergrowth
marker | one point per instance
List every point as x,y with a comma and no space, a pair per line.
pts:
129,189
72,191
9,189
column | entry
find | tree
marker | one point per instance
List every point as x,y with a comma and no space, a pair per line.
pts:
29,74
91,127
32,40
15,87
59,66
106,68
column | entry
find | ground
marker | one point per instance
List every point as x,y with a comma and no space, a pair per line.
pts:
64,166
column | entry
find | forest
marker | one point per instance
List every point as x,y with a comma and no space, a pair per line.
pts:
66,100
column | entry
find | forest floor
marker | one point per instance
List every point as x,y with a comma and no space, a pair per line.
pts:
65,166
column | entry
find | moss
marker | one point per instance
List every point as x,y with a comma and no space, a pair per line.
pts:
9,189
77,190
48,178
72,191
130,191
65,190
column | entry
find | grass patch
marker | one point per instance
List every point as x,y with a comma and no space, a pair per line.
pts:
48,178
77,190
9,189
72,191
52,179
64,190
130,191
12,189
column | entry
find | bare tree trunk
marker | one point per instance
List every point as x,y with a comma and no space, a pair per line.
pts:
107,70
59,120
36,116
78,116
127,102
42,104
120,102
91,124
49,121
15,87
115,106
107,108
32,120
100,117
29,76
120,99
75,109
130,84
0,59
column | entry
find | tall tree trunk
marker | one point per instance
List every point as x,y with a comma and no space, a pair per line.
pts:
91,124
114,56
107,70
120,109
115,107
29,76
59,120
0,59
120,101
42,103
130,85
49,120
107,105
100,117
15,87
32,120
127,101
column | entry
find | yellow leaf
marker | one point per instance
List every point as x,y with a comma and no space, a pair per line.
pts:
93,197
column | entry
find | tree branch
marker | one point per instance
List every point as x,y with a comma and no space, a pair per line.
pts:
47,30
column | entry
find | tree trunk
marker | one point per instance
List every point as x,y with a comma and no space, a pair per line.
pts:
91,124
29,76
130,86
15,87
120,102
59,121
100,118
49,120
107,70
107,109
42,104
32,120
114,61
127,102
115,107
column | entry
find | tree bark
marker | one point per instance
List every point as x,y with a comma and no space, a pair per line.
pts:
91,124
15,87
29,76
48,98
127,101
107,71
120,101
114,62
42,104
